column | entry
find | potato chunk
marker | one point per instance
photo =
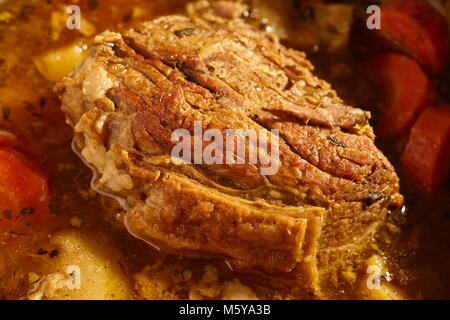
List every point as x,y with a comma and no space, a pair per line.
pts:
82,266
384,292
56,64
372,287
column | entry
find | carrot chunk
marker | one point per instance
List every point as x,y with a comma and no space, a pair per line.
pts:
24,190
427,153
417,30
406,91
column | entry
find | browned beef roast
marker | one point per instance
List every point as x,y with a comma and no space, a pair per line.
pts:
333,188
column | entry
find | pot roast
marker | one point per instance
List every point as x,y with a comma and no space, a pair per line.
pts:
333,188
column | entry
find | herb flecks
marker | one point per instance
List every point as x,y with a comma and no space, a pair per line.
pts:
185,32
53,253
6,113
337,142
371,198
53,209
307,13
7,214
42,102
42,251
27,211
29,106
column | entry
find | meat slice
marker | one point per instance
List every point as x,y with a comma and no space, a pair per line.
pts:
333,187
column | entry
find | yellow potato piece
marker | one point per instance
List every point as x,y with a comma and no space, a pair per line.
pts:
383,292
377,261
371,288
85,267
56,64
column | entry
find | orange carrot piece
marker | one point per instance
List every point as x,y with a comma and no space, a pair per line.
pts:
407,90
427,153
417,30
24,190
